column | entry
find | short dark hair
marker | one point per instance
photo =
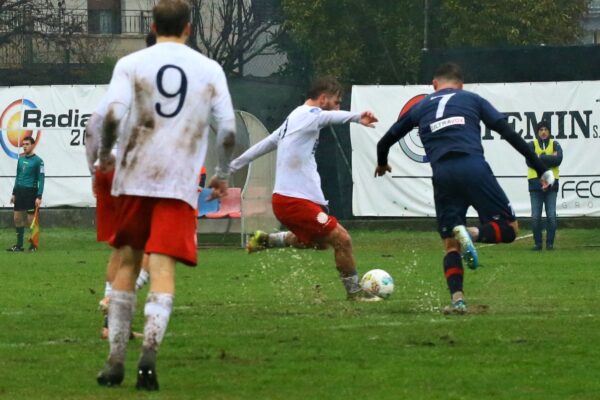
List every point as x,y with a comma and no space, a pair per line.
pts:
449,72
150,39
171,17
29,139
328,85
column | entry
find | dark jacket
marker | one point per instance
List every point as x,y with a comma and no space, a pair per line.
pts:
549,160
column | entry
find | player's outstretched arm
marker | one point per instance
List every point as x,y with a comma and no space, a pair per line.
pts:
381,170
368,119
395,133
259,149
503,128
338,117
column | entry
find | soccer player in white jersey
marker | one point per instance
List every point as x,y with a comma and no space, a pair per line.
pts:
105,211
160,102
105,203
298,200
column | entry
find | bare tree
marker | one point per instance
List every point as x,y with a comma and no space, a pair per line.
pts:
230,32
39,30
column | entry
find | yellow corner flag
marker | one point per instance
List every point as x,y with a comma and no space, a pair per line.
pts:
35,229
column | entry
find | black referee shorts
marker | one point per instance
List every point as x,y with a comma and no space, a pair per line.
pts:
25,199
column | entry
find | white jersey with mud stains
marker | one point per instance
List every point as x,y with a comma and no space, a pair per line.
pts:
296,141
94,131
170,92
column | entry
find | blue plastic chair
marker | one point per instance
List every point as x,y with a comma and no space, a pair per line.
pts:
204,205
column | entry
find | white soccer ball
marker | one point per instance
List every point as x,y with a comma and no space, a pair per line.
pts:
378,282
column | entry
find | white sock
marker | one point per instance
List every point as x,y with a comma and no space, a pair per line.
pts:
277,239
350,282
142,279
107,288
157,312
121,308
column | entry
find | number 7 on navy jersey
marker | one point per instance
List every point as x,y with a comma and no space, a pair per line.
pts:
181,92
442,104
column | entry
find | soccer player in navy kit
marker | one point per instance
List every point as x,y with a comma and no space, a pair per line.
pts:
449,127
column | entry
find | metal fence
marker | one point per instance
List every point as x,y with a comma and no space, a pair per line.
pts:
75,21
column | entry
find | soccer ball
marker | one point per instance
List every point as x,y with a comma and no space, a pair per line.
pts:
378,282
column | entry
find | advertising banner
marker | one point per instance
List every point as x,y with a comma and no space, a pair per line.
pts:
55,116
573,109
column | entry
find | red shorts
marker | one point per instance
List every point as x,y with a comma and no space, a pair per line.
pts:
305,219
155,225
105,206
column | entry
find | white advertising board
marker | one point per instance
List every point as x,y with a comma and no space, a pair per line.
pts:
55,116
573,109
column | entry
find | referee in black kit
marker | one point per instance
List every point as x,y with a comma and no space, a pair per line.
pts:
27,192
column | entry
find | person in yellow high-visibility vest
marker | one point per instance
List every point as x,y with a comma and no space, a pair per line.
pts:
550,152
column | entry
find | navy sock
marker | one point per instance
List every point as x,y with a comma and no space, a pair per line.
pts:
453,270
496,232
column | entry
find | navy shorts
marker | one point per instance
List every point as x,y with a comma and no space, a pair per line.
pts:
460,181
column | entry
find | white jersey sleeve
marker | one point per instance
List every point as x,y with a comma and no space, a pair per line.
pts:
222,111
221,105
259,149
327,118
93,132
116,102
120,88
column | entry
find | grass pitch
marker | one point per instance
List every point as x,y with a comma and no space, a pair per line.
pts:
275,325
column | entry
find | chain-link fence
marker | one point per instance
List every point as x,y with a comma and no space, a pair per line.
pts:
518,64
